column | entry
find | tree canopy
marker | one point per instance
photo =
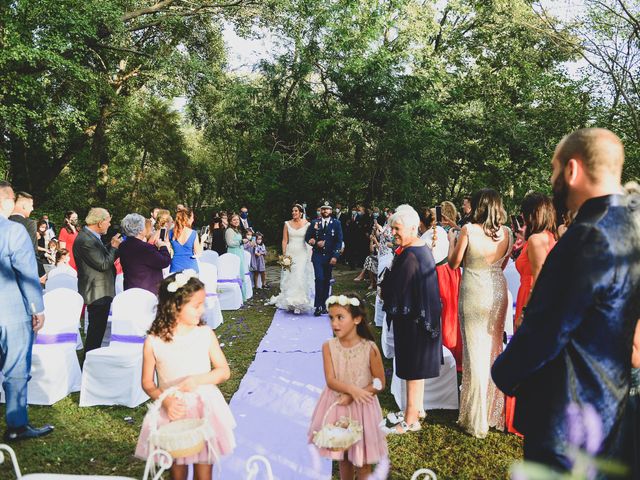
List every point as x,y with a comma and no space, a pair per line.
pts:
381,102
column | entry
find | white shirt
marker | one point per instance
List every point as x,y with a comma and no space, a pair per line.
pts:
441,249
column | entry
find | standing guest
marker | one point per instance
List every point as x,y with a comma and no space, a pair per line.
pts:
449,215
233,238
258,264
224,220
51,227
184,242
467,216
436,239
575,340
216,236
96,272
412,303
22,316
633,408
539,238
245,224
68,234
163,222
41,242
154,216
21,212
62,265
142,263
484,244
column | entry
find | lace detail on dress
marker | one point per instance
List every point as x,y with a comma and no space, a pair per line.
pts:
298,285
351,365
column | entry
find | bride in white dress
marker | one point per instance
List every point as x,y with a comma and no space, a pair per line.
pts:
296,286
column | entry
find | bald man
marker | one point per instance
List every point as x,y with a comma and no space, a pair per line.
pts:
576,337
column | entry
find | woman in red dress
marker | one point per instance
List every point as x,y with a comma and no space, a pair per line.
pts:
68,234
540,237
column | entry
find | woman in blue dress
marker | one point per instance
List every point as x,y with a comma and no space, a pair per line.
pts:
235,245
185,243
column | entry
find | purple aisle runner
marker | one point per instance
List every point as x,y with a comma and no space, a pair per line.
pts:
276,398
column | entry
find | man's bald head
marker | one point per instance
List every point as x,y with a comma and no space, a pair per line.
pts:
600,151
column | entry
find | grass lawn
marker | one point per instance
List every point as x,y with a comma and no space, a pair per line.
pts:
101,440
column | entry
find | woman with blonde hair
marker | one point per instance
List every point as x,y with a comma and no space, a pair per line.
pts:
184,242
449,215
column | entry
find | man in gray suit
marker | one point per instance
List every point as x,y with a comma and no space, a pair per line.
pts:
96,272
22,316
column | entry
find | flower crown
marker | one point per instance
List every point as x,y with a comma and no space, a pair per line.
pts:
343,300
181,280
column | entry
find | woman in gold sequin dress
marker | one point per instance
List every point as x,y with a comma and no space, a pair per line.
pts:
484,246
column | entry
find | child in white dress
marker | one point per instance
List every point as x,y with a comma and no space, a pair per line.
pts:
185,354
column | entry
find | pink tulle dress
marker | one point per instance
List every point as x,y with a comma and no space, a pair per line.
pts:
352,366
184,356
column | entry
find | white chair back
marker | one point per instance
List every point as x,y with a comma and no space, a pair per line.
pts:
209,256
119,283
513,278
247,261
62,309
62,281
133,311
62,269
228,267
209,276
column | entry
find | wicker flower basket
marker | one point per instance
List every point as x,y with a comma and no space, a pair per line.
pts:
338,436
181,438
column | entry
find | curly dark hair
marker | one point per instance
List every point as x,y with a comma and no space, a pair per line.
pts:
170,304
488,212
362,329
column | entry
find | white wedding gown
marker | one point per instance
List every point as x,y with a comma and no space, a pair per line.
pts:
297,286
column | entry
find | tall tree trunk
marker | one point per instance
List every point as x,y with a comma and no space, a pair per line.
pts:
98,154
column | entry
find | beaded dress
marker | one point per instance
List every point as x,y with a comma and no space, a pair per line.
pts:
483,307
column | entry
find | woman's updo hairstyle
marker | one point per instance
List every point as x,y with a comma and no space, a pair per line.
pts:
170,304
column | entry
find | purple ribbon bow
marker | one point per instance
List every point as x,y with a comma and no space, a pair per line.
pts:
55,338
231,280
127,338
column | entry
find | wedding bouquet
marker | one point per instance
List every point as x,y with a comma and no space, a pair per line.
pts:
285,262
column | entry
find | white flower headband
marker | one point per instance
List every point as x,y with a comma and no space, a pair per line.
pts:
181,280
343,300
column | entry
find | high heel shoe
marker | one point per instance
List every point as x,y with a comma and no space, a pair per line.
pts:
402,428
398,417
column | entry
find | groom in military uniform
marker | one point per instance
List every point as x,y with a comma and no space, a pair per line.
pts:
325,236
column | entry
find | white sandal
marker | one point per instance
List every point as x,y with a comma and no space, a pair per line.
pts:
404,428
397,417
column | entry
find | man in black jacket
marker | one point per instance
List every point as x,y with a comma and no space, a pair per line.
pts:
96,272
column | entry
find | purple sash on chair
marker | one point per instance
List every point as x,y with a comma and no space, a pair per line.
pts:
212,294
56,338
231,280
127,339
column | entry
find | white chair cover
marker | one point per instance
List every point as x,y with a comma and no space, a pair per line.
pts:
119,283
209,256
61,280
111,375
213,312
62,269
55,370
246,278
229,281
439,393
384,261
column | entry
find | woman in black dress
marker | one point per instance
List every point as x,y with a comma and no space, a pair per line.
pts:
412,302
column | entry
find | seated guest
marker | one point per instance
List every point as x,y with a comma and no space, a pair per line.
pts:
68,234
184,242
63,258
50,254
142,262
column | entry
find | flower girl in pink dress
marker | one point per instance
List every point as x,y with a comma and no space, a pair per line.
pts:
186,356
354,373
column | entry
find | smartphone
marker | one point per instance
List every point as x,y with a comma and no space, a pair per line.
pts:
515,223
163,234
439,214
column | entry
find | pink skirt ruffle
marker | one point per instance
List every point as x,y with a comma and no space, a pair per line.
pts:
220,418
373,446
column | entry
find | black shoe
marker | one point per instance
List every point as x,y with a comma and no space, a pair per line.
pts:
325,311
26,432
317,312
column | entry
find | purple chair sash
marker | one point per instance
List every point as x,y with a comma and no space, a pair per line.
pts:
127,338
212,294
55,338
231,280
